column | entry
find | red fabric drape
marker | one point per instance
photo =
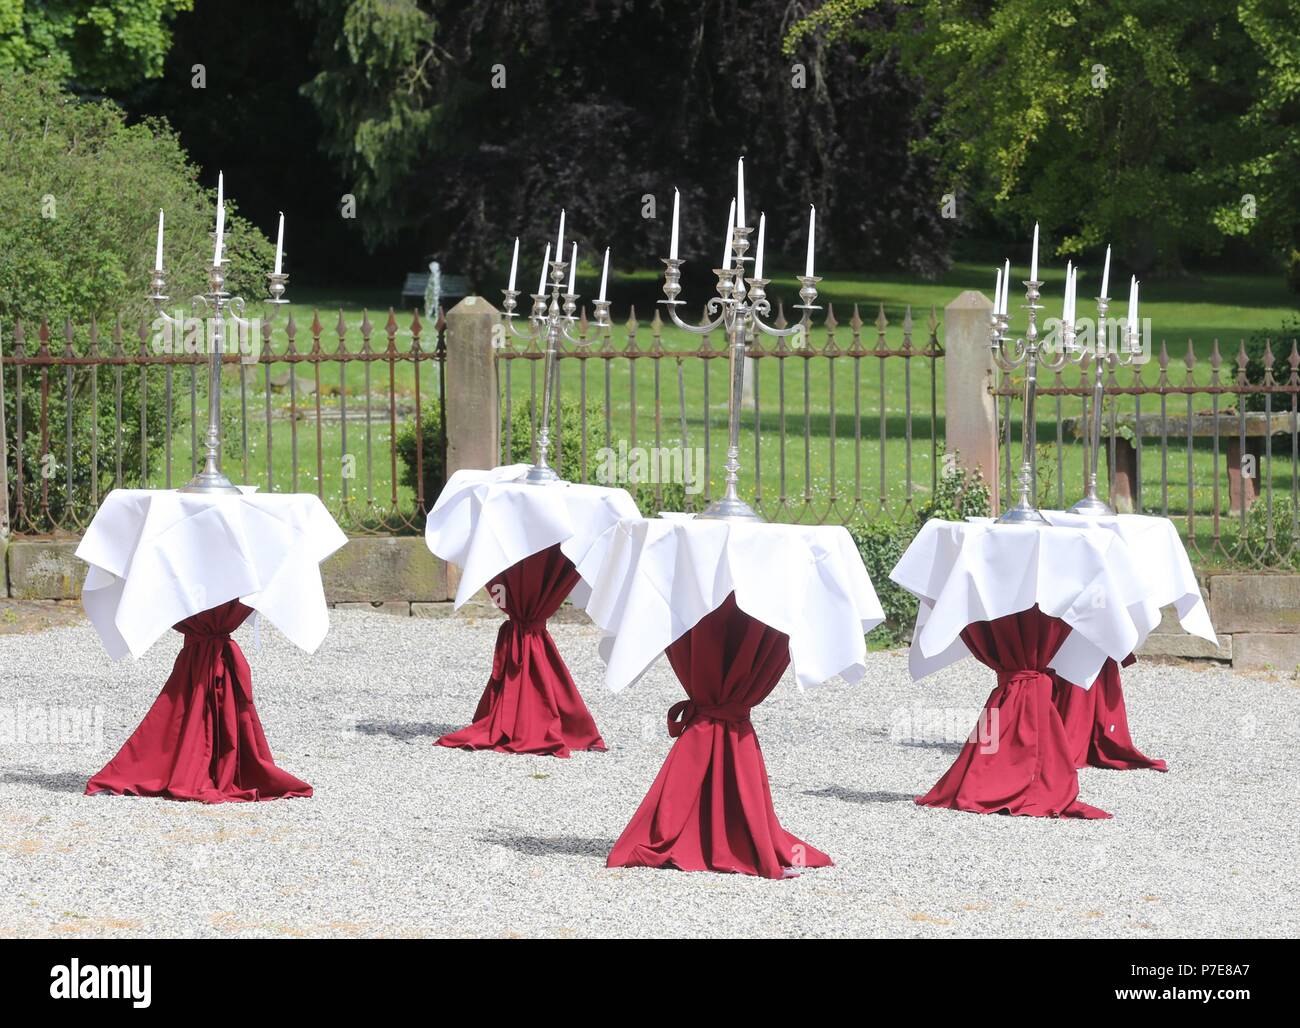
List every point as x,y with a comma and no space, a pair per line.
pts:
202,739
710,807
1018,760
530,704
1096,723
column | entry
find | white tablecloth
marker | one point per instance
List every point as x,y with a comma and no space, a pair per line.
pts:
158,556
1089,575
654,579
487,521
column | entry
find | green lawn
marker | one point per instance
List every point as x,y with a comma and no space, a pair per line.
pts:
804,473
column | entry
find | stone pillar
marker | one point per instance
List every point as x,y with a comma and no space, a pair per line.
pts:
970,415
473,417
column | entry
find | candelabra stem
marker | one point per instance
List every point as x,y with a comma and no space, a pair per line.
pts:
729,506
1092,505
210,479
1025,511
541,472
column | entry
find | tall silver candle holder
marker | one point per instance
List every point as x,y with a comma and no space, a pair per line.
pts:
551,319
1103,353
217,305
739,312
1029,353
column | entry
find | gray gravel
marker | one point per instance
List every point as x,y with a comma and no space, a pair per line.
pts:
406,839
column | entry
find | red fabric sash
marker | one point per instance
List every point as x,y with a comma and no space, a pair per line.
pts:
710,807
531,704
202,739
1096,723
1024,764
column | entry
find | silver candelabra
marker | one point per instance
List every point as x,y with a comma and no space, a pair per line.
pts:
552,318
219,304
739,312
1092,505
1029,353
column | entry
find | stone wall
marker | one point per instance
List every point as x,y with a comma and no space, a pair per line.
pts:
1257,615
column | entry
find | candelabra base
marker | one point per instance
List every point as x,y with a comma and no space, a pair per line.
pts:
1022,516
1091,507
541,474
211,483
729,508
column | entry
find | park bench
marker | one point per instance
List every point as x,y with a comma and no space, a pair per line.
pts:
1227,425
417,284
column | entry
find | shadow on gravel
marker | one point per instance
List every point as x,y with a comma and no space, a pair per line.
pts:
405,731
552,846
52,781
943,747
838,792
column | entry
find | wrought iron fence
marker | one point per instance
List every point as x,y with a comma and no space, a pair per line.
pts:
836,429
1202,444
97,413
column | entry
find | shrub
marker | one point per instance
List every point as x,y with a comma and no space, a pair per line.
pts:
960,494
1281,342
1284,552
521,444
80,191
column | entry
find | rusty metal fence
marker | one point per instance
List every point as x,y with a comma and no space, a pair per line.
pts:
845,427
1194,439
320,411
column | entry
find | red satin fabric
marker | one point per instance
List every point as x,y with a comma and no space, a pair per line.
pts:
202,739
1023,764
1096,723
710,807
530,704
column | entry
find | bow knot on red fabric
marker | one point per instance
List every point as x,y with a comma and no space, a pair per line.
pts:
1025,676
509,652
684,712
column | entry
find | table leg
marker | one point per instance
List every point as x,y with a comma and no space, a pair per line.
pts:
710,807
531,704
202,739
1018,759
1096,723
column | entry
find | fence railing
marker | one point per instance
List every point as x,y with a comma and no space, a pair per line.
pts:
316,411
856,424
1193,439
845,427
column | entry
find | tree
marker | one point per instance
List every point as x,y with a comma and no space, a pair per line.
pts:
1166,127
97,44
478,122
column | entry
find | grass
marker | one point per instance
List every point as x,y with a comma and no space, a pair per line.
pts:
811,464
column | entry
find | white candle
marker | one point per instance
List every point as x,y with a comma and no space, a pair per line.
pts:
573,268
740,192
812,232
1006,283
1133,313
731,225
1132,302
279,244
677,199
546,266
762,237
559,239
997,292
221,216
514,266
1105,274
157,256
1033,266
1065,298
604,275
1074,295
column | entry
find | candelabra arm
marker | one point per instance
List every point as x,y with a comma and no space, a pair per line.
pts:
699,330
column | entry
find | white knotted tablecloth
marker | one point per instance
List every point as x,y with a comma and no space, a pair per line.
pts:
1106,578
653,579
487,521
158,556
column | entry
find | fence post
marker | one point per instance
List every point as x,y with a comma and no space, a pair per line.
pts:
971,414
473,418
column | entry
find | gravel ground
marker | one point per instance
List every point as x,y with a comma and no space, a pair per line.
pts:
406,839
